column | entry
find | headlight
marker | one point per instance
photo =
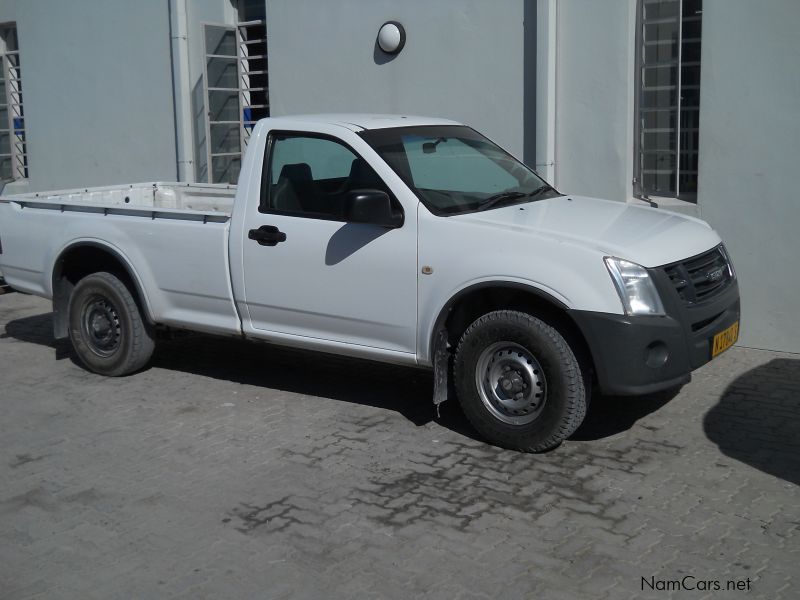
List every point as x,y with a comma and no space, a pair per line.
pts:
725,255
635,288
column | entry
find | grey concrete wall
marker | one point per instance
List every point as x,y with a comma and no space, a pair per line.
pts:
594,97
749,155
462,60
97,89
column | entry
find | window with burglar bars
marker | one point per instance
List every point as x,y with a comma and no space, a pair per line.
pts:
236,92
668,98
13,152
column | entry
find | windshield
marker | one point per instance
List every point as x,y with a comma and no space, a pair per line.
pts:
453,169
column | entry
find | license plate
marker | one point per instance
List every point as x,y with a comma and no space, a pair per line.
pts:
725,339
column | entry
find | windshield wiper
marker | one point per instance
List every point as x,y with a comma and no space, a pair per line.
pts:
541,190
494,200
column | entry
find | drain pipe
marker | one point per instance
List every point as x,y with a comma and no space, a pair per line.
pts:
546,29
181,89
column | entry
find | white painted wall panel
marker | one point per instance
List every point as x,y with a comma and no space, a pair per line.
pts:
462,60
97,91
749,153
594,97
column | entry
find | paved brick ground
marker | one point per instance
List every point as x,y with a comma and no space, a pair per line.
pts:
231,470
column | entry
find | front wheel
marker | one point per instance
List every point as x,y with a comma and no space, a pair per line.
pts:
106,327
518,381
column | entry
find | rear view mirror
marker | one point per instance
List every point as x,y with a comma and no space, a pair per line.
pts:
374,207
430,147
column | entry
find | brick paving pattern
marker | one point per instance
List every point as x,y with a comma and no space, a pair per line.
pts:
236,470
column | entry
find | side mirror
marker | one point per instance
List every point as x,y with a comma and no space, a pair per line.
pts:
373,207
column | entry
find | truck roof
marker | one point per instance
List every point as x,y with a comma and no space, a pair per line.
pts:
362,121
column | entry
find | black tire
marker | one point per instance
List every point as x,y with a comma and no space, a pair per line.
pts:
106,327
518,382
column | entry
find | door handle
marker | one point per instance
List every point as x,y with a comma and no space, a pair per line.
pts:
267,235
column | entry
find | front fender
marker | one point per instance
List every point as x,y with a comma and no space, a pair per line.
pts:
431,326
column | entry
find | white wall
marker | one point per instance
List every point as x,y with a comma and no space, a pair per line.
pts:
594,97
97,90
463,60
750,157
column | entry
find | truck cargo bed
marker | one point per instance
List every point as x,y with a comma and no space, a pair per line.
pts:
160,196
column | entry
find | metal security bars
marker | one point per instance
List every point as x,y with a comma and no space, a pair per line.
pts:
668,98
236,93
13,151
253,73
222,104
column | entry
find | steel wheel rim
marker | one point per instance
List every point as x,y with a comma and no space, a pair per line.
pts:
511,383
101,326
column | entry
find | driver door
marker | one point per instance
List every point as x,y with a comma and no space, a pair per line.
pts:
316,275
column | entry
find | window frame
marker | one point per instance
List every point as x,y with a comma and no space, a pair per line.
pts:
12,79
251,97
265,188
681,133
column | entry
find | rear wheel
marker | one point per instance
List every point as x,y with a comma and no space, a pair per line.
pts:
519,382
106,327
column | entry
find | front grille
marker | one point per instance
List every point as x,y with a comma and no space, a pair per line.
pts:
701,277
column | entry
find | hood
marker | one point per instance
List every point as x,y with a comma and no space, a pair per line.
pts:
648,236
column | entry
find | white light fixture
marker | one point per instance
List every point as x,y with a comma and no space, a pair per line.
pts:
391,37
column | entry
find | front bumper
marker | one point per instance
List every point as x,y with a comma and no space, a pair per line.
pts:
641,354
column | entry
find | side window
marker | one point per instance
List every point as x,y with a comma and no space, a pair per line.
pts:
311,176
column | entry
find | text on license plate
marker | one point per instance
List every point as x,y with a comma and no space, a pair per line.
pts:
725,339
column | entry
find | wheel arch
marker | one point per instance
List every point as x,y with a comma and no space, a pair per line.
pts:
82,258
473,301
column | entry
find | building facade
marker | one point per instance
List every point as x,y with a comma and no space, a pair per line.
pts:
688,105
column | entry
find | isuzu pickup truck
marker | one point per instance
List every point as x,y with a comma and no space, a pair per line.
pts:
407,240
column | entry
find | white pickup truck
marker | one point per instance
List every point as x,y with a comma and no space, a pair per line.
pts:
408,240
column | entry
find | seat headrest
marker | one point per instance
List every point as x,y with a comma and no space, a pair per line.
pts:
296,172
362,175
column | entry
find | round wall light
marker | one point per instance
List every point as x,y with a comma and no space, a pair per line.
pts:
391,37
